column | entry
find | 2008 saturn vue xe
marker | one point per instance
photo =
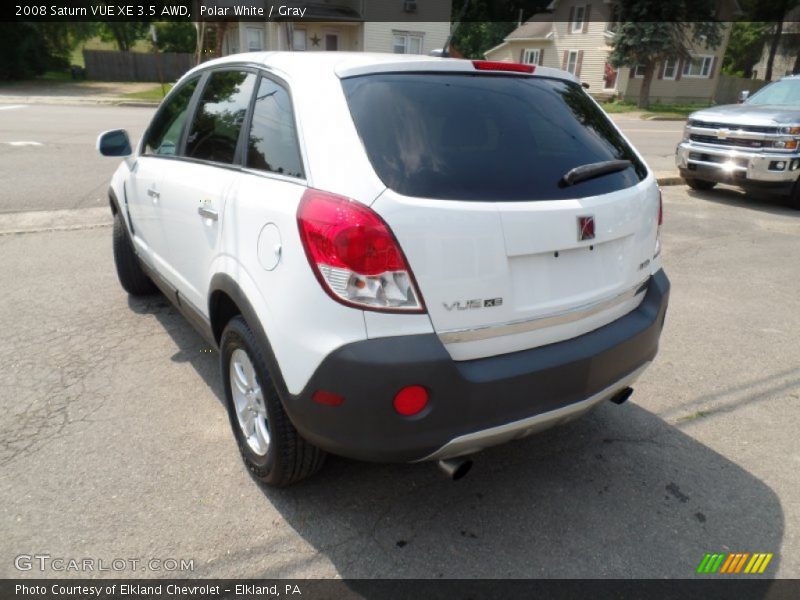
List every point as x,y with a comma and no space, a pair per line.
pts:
400,258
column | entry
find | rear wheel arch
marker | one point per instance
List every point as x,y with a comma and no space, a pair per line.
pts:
227,300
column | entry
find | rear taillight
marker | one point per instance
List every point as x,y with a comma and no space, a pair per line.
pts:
494,65
354,254
657,250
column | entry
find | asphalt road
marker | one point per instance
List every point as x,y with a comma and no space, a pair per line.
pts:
114,442
62,170
48,154
655,140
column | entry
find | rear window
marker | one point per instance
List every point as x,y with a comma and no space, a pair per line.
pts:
485,137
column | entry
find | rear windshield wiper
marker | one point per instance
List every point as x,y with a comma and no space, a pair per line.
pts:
593,170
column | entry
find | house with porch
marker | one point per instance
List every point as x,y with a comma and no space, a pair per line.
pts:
399,26
575,35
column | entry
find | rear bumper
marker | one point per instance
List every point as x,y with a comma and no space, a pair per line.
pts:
474,403
735,167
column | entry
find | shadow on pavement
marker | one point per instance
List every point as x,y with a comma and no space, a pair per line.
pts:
752,200
620,493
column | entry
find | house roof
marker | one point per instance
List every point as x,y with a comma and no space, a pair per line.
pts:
537,27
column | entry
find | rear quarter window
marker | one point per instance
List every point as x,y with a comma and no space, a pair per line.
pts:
485,137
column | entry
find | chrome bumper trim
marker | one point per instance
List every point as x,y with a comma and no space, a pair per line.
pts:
757,168
479,440
455,336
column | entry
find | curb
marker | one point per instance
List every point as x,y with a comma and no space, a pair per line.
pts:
663,118
666,180
76,101
41,221
136,103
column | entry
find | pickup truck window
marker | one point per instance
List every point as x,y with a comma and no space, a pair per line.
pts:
781,93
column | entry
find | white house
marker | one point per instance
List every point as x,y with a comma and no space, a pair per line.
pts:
399,26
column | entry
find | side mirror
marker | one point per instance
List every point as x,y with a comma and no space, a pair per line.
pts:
114,143
744,95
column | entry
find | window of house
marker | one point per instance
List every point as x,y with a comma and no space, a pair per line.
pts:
299,39
255,39
331,41
407,43
214,133
272,143
698,66
531,56
578,18
638,72
165,132
670,69
609,77
572,61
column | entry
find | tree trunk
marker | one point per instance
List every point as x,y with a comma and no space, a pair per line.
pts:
773,48
222,28
201,40
644,90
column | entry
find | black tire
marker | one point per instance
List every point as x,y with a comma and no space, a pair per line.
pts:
700,184
288,458
794,197
129,270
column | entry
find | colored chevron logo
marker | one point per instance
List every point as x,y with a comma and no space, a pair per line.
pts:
734,563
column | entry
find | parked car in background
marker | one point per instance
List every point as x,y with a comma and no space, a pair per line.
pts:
753,145
400,258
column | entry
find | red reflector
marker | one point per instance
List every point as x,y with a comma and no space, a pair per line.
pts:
495,65
660,209
411,400
327,398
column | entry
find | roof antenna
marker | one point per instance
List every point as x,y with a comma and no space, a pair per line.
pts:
446,49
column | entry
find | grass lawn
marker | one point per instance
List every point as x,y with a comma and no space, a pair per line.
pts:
96,43
153,94
656,109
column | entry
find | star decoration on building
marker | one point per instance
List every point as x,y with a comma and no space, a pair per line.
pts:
315,39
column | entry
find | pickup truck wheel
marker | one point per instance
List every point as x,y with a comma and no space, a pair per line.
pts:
129,270
270,446
700,184
794,197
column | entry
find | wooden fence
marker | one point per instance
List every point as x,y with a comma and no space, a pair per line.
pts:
729,88
111,65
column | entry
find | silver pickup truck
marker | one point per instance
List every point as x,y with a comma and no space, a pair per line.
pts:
753,145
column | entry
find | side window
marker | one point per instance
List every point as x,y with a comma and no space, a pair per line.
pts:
272,143
220,113
165,130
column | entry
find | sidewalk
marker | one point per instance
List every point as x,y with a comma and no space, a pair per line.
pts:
74,92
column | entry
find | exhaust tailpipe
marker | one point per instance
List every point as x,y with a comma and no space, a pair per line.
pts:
622,395
455,468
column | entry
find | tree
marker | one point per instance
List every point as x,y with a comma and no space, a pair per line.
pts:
487,22
774,11
176,36
650,32
744,48
473,39
30,49
123,33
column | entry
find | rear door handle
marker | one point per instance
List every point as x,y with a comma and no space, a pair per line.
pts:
208,213
153,193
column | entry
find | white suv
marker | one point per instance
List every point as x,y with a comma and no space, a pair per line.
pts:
400,258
